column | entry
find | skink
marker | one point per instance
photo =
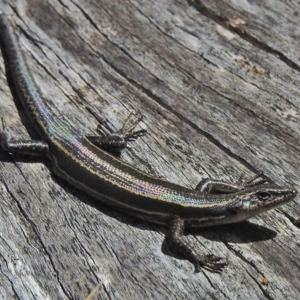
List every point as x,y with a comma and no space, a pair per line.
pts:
84,162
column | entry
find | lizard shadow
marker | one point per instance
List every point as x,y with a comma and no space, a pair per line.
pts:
238,233
243,232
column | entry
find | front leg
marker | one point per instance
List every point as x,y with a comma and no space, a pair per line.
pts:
209,185
117,141
175,237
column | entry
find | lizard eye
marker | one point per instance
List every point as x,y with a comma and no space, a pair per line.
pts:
263,196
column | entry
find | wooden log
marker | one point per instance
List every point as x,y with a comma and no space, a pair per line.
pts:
218,85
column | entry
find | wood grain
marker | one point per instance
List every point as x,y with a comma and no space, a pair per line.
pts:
218,85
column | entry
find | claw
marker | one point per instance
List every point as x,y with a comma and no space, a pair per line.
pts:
135,123
252,181
129,134
210,262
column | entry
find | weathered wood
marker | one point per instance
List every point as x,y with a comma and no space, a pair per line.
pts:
218,85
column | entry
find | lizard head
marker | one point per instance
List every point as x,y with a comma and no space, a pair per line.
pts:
260,198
